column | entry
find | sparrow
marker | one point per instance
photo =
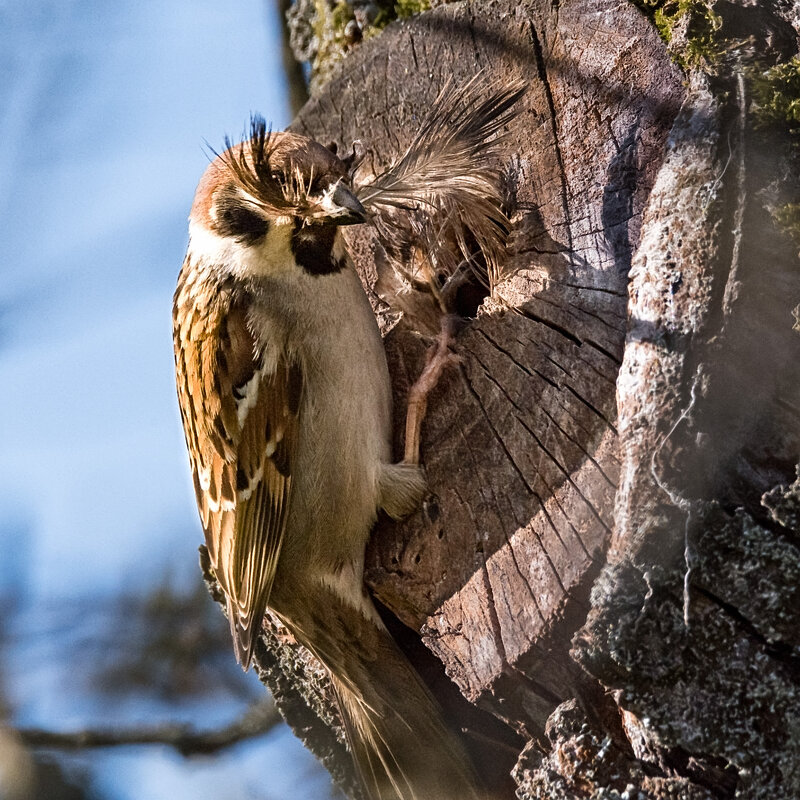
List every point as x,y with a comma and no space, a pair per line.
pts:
285,399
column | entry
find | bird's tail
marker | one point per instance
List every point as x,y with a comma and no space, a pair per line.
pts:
401,746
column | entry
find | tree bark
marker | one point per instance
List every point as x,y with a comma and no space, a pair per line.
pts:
608,564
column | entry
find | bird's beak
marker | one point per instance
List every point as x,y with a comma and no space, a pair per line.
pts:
341,207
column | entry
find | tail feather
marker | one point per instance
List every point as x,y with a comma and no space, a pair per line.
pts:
401,746
244,632
402,759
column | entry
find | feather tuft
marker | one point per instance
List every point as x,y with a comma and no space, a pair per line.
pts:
439,205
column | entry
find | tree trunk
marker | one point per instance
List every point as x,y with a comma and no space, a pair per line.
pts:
608,565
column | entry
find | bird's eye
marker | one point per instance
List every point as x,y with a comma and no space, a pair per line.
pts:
240,222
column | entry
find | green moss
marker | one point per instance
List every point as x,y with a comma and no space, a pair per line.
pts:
787,218
775,104
400,9
699,42
329,24
776,95
408,8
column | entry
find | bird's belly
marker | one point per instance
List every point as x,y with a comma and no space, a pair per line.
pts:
344,440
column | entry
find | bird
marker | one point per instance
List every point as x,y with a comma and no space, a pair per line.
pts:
285,399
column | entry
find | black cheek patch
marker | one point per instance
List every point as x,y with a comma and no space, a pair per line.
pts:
239,222
312,246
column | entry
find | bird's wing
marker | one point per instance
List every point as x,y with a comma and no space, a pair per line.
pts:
240,418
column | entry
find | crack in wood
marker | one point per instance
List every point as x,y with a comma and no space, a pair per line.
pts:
487,418
548,93
525,482
550,324
567,474
520,525
543,409
493,618
494,505
413,52
540,349
579,314
552,492
536,687
575,442
607,353
530,372
620,328
582,288
592,407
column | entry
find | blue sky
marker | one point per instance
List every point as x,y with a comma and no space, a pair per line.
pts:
103,123
104,111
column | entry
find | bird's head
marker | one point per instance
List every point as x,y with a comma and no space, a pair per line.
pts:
272,203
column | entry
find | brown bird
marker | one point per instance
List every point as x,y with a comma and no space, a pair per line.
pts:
286,405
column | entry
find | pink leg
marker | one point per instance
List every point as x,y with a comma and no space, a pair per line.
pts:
439,355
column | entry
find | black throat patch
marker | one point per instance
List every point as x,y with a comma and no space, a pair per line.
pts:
312,246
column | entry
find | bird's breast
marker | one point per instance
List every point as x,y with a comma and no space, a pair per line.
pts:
345,418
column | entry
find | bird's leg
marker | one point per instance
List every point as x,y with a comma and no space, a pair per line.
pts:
438,356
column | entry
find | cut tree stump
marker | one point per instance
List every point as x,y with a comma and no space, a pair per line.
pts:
607,566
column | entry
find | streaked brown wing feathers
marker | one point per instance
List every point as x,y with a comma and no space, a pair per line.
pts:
241,428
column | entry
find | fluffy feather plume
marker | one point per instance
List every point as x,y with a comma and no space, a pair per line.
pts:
439,205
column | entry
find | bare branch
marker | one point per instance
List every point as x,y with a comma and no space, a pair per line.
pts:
187,741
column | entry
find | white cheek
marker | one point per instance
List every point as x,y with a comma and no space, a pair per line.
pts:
209,247
271,256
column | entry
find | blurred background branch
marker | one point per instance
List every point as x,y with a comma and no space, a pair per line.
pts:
184,738
296,85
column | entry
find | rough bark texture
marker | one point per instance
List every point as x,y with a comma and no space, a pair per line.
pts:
609,559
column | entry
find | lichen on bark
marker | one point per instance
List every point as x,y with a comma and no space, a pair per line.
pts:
323,32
